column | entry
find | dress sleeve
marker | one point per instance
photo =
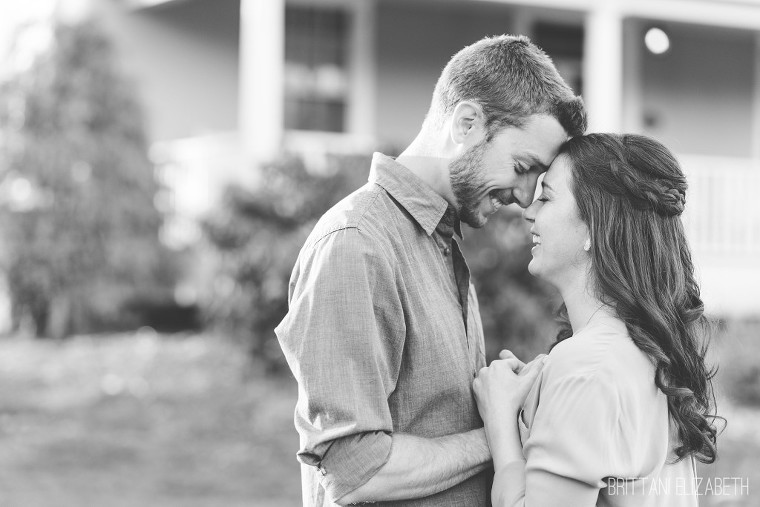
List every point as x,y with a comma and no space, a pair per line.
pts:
575,430
571,449
343,338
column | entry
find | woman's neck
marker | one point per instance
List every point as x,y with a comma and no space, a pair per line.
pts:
582,306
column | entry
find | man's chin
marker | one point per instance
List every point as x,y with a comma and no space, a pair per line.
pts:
474,219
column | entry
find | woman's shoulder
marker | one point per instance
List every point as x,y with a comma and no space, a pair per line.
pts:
603,351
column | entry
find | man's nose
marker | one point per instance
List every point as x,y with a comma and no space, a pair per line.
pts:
524,193
523,196
529,214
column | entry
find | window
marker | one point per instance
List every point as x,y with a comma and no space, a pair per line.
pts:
316,68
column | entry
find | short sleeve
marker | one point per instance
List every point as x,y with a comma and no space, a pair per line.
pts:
575,430
343,338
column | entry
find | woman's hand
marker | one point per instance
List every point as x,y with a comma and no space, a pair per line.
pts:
507,354
501,389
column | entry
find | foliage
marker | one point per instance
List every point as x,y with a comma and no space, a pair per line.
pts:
255,238
737,345
516,308
78,221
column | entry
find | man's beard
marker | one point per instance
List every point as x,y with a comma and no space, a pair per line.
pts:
467,184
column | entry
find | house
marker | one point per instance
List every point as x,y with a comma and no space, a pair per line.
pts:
227,83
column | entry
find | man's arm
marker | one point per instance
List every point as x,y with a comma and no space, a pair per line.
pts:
419,467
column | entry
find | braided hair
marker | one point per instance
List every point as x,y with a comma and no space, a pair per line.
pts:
630,192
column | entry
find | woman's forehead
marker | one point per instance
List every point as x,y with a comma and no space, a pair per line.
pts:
558,173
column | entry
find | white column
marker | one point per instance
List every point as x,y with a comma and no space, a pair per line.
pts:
603,67
756,104
362,94
523,21
633,77
262,78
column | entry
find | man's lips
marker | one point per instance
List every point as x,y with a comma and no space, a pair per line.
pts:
501,198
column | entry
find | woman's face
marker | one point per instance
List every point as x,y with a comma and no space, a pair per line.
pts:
558,232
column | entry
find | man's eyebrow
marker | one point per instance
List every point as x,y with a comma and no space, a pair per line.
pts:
535,161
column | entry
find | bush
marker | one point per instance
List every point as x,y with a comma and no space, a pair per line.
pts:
736,348
516,308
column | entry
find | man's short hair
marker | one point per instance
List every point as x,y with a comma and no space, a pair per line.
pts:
511,79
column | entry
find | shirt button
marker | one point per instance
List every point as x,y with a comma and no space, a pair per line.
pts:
446,251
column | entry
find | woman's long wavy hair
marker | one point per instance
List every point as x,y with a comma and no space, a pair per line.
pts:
630,192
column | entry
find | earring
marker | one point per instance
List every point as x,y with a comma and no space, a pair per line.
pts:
587,245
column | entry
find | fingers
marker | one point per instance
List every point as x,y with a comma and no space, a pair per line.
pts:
508,355
514,364
534,367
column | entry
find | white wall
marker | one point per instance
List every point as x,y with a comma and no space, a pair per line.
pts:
184,60
699,94
415,41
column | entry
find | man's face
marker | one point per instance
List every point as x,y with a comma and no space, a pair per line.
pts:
505,170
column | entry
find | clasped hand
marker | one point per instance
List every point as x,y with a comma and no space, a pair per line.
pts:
501,388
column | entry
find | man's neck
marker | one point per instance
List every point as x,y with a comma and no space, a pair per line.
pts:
430,165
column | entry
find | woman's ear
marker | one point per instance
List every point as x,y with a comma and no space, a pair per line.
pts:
467,123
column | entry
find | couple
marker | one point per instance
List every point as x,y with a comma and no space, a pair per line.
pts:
383,334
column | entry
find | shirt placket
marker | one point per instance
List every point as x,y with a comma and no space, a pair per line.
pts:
459,273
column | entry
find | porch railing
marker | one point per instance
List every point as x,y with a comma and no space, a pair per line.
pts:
723,205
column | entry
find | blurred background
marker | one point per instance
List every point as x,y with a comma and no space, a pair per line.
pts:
162,161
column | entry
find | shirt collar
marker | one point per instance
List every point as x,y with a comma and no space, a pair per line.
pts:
426,206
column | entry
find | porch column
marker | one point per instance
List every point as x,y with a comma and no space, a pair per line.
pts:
756,105
603,67
633,77
261,115
362,94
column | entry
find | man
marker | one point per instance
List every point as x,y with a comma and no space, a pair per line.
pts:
383,333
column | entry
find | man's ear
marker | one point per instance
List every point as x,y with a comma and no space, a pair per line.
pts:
467,121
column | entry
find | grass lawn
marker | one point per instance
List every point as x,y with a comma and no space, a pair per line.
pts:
135,420
141,420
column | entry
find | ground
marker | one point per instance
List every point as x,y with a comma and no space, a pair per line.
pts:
144,420
136,420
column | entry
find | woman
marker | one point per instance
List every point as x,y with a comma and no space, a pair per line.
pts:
619,410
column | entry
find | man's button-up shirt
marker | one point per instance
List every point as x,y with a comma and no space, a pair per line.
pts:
383,335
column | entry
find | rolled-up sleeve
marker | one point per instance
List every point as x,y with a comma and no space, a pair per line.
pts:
343,339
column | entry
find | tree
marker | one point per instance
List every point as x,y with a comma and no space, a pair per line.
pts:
79,227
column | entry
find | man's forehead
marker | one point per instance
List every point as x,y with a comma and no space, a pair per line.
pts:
544,137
